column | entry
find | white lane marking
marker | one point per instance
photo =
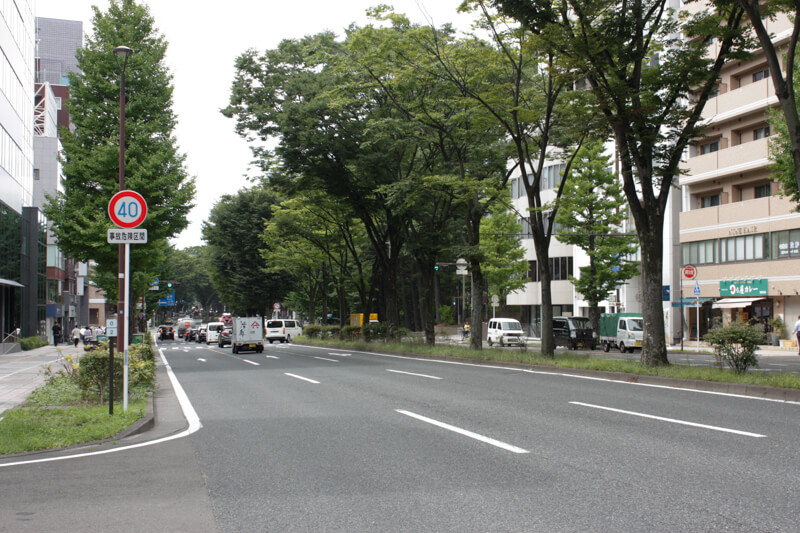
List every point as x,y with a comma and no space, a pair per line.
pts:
567,375
301,377
188,413
464,432
327,359
672,420
251,362
201,359
339,354
272,357
413,374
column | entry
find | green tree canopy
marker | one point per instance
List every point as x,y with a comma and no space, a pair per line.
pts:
153,165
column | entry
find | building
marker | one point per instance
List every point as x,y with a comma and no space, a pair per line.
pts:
67,280
22,246
739,234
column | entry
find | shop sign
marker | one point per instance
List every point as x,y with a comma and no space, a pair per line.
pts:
745,287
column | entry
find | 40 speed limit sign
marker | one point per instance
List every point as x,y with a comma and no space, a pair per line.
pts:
127,209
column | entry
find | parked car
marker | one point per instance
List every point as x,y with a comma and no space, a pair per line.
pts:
224,337
504,331
574,331
201,334
283,330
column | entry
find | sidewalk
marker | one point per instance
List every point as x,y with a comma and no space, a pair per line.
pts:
22,372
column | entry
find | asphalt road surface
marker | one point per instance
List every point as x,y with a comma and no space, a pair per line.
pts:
313,439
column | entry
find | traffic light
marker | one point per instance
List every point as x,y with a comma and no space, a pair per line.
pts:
169,284
436,267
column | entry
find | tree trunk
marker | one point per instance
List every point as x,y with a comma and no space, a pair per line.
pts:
476,299
545,276
654,345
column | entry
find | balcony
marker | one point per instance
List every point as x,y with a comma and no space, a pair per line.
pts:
751,97
733,160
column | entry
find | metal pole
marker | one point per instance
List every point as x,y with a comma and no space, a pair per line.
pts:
125,340
681,284
697,319
111,377
124,52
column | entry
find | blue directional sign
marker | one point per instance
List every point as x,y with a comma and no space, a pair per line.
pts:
168,300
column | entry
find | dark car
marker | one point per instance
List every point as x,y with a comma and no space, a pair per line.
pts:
166,331
573,331
201,335
224,337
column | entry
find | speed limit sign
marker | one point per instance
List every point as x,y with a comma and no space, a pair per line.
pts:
127,209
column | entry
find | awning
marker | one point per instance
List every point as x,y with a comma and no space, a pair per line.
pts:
690,302
10,283
735,303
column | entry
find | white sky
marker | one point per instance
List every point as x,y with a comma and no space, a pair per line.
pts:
204,40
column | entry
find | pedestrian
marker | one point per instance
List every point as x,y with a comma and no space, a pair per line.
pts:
796,332
56,333
76,335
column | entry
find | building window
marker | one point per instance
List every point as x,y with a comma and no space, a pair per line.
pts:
709,147
761,75
700,252
744,248
709,201
761,133
36,174
763,191
58,103
786,244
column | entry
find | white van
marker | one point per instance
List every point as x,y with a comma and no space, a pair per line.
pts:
283,330
212,332
504,331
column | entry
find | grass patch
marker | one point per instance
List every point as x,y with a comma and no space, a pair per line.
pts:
584,361
56,415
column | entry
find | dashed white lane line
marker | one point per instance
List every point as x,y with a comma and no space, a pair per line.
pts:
302,378
327,359
201,359
466,433
413,374
251,362
272,357
671,420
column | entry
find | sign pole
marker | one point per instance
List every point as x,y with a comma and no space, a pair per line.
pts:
127,325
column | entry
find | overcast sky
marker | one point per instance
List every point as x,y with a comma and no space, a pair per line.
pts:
204,40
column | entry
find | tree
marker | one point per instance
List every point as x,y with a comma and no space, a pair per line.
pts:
503,254
651,74
153,166
233,234
592,210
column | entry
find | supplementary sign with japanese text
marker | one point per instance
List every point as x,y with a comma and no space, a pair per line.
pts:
127,236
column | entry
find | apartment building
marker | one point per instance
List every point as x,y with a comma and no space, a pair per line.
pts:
740,235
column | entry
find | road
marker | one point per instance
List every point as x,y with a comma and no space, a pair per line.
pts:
311,439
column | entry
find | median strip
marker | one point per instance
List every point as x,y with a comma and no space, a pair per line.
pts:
466,433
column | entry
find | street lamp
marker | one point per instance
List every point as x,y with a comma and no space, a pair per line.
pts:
124,52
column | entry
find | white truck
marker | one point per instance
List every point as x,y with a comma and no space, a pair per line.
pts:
624,331
247,334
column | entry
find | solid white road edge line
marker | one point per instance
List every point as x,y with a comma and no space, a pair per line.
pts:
413,374
672,420
302,378
188,412
566,375
466,433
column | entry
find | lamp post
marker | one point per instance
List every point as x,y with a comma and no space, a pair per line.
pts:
124,52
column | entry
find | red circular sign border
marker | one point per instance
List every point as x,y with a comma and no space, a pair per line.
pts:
125,194
694,270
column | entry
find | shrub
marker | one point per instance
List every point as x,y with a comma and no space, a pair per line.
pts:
93,375
736,345
350,333
331,332
373,332
312,331
31,343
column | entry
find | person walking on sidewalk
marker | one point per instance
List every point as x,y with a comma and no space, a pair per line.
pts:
76,335
56,333
796,332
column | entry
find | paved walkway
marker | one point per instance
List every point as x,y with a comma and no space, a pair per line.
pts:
22,372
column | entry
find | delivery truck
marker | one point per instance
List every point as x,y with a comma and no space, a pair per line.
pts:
623,331
247,334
